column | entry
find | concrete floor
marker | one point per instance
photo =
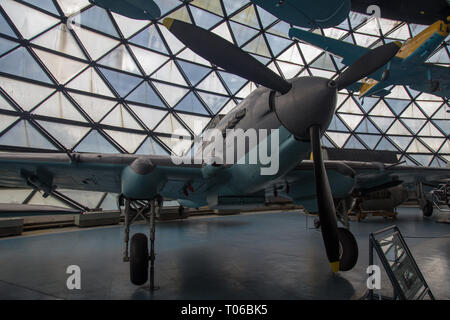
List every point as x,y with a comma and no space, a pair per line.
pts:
254,256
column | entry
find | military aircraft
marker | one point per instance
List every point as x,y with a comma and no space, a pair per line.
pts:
330,13
300,109
408,67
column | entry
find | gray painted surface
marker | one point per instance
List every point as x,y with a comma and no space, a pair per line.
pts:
258,256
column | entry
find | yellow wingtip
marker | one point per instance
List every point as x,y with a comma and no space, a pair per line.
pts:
167,22
334,266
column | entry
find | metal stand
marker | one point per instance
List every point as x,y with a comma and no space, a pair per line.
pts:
399,264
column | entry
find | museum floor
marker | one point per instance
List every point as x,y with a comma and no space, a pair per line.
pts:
251,256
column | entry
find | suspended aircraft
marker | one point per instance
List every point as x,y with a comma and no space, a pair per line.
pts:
408,67
301,109
134,9
330,13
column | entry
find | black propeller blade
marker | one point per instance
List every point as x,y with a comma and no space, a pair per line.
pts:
368,64
226,55
327,211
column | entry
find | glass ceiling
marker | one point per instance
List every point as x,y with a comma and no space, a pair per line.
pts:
76,77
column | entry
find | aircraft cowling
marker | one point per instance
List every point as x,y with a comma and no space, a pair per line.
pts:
142,180
311,101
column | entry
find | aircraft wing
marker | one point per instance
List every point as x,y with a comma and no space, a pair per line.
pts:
90,172
438,73
349,52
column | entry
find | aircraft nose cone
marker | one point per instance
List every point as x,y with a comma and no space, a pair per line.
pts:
311,101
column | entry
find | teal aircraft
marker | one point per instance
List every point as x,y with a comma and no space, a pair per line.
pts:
408,67
300,109
330,13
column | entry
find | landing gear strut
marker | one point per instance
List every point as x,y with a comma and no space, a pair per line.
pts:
138,255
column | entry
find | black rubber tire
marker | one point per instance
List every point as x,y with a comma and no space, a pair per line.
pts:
385,75
349,247
180,211
139,259
428,209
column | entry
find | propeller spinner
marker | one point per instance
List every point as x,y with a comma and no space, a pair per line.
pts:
318,95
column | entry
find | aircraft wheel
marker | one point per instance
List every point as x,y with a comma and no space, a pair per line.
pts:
349,250
385,75
427,210
139,259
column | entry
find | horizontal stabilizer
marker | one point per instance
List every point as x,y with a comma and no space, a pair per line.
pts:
349,52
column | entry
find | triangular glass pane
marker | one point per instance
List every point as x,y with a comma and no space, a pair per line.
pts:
414,124
95,44
258,46
399,92
233,82
246,90
438,163
338,138
366,127
121,118
352,120
397,105
149,60
167,5
445,147
212,83
291,55
382,123
4,104
412,112
195,123
188,54
69,7
354,143
96,143
214,102
324,62
350,106
62,69
149,116
6,121
429,107
68,135
382,110
401,142
337,124
121,82
151,39
386,145
431,131
97,19
5,28
151,147
247,17
7,45
90,81
170,125
309,52
193,72
280,29
228,107
129,26
23,134
399,129
435,144
368,103
181,14
370,140
26,95
213,6
203,18
442,112
172,94
277,44
175,45
289,70
146,95
58,106
423,160
170,73
266,17
192,104
95,108
176,146
28,21
60,39
242,33
27,68
444,125
120,59
223,31
232,6
129,141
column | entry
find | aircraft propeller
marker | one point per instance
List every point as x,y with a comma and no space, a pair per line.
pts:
232,59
